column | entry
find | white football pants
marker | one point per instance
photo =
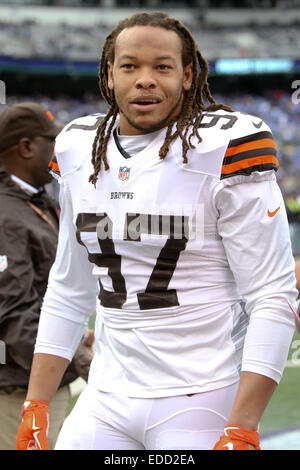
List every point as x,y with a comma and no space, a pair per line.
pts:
101,421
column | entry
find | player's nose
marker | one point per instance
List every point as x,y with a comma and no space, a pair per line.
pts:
146,80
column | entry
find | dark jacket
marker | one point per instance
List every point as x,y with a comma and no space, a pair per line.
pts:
27,251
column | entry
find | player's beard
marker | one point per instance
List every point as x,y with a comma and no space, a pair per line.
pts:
160,124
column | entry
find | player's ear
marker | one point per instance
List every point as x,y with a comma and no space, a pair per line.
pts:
110,81
187,77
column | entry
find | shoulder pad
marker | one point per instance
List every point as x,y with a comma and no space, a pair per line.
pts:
232,143
74,144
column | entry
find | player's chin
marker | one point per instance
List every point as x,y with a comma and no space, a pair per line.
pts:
148,124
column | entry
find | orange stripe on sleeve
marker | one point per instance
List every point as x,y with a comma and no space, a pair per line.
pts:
257,144
242,164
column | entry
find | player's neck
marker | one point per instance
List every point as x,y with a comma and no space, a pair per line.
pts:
130,145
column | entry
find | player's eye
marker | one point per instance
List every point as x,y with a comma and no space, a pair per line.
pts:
164,67
127,66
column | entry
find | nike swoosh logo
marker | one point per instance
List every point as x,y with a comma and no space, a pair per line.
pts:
229,427
229,446
272,213
257,125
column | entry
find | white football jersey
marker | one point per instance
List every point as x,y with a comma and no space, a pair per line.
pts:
180,256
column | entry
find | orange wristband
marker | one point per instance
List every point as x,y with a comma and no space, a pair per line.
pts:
237,438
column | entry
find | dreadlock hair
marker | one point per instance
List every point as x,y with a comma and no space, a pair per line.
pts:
193,104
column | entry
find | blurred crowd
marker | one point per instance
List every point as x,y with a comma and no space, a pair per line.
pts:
32,39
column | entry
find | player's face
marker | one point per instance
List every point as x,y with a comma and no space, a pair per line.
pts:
148,78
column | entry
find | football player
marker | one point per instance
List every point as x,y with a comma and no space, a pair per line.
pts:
172,218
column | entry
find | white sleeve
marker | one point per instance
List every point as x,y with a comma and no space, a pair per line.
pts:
70,297
256,239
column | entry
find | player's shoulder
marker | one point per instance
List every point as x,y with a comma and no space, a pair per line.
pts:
238,143
230,124
251,148
74,143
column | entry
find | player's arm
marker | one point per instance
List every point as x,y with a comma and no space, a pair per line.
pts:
256,240
46,373
241,430
254,393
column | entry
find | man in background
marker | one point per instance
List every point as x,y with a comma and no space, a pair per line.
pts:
28,239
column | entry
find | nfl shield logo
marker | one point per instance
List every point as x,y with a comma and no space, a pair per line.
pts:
3,263
124,172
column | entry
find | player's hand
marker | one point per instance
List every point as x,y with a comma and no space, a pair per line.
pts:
33,430
238,438
84,355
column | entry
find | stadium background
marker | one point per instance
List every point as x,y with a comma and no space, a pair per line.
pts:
49,52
